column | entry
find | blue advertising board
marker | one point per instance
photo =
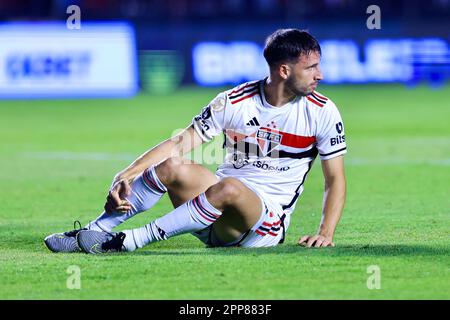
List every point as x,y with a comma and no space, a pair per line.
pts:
50,60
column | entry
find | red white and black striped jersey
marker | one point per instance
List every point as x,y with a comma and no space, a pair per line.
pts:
272,149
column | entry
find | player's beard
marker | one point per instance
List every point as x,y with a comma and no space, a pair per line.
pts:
293,86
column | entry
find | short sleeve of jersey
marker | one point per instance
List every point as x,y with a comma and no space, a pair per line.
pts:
330,133
211,120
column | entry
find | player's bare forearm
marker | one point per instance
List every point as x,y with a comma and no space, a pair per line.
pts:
333,204
150,157
178,145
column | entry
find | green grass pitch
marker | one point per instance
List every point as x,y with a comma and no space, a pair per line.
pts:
57,159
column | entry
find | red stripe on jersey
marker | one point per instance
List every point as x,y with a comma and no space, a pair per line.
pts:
272,234
260,233
293,140
320,96
267,224
315,101
241,89
245,97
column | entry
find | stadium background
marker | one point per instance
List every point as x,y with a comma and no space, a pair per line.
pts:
76,111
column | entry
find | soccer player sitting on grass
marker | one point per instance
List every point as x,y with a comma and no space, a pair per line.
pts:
274,128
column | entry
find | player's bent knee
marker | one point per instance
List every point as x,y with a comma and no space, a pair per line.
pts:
225,192
169,170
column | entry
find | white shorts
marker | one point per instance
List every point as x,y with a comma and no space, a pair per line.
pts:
269,231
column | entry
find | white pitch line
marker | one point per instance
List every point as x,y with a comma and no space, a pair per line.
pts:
105,156
393,161
68,155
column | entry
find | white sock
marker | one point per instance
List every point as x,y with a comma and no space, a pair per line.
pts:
146,190
193,215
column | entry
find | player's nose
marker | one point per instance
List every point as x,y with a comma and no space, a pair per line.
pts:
318,76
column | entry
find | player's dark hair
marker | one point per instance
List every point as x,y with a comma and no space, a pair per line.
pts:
286,45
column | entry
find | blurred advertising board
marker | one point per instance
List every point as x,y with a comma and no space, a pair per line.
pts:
49,60
343,61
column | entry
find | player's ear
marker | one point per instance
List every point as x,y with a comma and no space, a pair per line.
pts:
284,71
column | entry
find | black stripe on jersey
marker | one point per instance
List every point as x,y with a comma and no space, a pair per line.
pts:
319,99
250,88
241,87
284,207
329,154
311,153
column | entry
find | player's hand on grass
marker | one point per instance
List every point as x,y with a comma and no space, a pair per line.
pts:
317,241
116,199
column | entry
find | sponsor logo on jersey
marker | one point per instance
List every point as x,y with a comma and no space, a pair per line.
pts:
205,115
253,122
240,162
267,140
265,166
339,139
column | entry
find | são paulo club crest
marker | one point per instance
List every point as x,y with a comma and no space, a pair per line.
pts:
267,140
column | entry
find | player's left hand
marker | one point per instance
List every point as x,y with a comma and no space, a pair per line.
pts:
317,241
116,199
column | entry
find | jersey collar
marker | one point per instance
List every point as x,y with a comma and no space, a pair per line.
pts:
266,104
